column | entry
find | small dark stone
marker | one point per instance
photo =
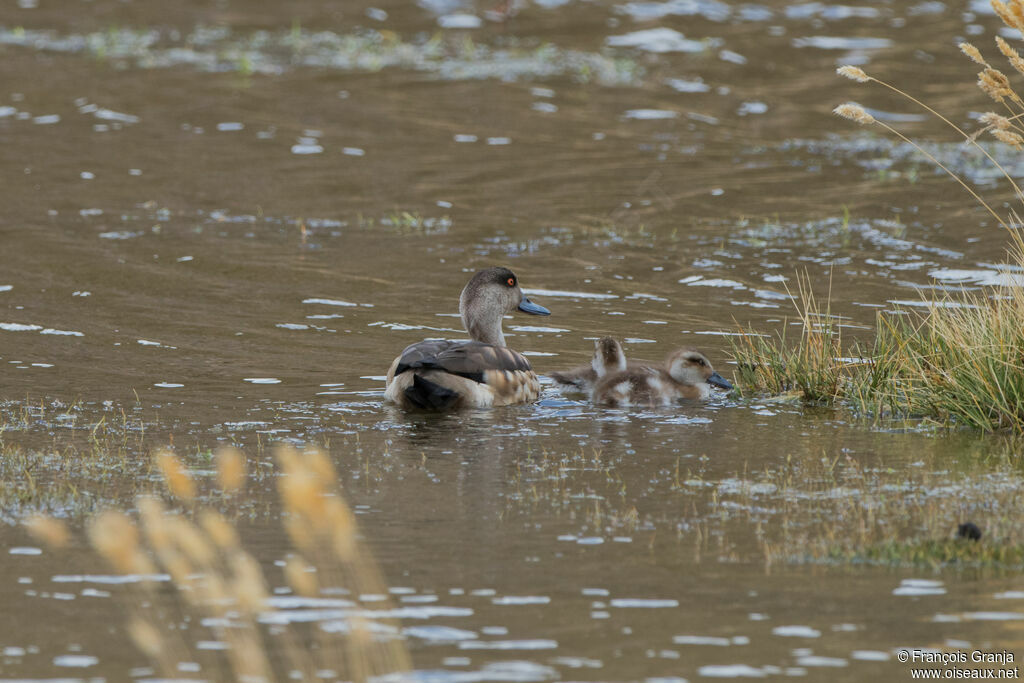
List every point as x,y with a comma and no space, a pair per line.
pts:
969,530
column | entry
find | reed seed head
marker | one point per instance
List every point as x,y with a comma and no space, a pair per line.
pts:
219,529
116,538
1012,17
179,481
973,53
50,530
249,587
853,73
231,469
854,112
994,120
154,523
177,566
994,84
319,463
1011,55
287,458
146,637
195,546
1009,137
300,533
301,577
301,494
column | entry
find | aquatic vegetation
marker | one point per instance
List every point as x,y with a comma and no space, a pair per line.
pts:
812,366
218,49
961,361
838,510
958,362
223,585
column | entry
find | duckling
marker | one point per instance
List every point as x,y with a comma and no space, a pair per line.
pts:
687,373
608,358
440,375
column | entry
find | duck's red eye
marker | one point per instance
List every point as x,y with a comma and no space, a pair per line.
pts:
511,282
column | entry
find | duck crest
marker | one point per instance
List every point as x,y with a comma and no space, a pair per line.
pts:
440,375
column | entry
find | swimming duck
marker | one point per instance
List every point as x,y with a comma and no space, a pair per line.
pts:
608,358
687,373
446,375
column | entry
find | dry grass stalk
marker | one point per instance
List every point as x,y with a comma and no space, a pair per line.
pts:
225,587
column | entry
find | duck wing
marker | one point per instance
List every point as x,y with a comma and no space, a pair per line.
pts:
466,359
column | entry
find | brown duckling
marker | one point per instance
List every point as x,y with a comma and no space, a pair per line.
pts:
687,373
441,375
608,358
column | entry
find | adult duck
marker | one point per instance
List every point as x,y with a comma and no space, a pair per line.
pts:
686,374
440,375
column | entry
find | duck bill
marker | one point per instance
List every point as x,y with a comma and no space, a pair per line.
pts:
527,306
718,381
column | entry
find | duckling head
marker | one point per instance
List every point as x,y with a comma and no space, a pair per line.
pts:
608,357
691,367
490,295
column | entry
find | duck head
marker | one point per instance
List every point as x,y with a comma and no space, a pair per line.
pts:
691,367
490,295
608,357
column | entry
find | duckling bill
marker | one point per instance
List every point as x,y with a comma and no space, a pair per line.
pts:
442,375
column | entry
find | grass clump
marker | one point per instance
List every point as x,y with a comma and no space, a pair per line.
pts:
811,367
961,360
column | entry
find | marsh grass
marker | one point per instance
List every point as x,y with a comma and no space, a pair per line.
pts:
218,584
811,366
961,360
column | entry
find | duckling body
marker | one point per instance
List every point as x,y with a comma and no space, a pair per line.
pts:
686,374
608,358
439,375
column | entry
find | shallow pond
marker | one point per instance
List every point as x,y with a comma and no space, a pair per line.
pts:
223,220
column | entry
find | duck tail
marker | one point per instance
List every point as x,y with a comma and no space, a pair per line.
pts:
427,395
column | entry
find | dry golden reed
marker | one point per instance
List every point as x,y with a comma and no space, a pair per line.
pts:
179,481
146,637
853,72
973,53
301,576
116,537
219,530
49,530
1009,137
854,112
218,584
231,469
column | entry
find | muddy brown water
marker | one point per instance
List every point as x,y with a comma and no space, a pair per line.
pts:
221,221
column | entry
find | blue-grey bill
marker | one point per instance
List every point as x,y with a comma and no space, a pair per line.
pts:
717,380
527,306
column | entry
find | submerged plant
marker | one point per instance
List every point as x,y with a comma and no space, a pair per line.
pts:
224,587
839,511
